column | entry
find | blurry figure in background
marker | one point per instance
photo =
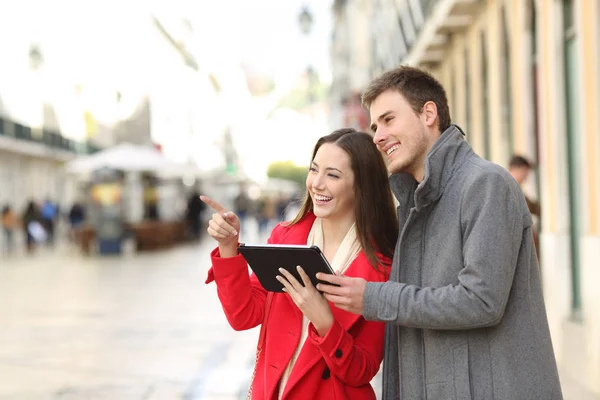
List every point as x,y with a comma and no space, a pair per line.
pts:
9,224
282,203
242,204
150,199
355,115
76,218
195,207
32,226
49,214
519,167
265,212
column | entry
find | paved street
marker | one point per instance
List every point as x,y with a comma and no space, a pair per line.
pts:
136,327
142,327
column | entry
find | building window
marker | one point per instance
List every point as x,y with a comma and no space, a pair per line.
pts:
486,98
453,95
571,82
467,93
506,106
534,107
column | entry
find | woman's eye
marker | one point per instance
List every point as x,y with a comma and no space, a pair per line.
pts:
333,176
313,169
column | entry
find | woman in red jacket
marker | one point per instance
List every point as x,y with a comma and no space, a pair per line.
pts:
311,349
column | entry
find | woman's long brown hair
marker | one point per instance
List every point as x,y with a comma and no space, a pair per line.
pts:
375,212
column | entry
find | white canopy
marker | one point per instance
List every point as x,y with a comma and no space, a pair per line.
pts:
131,157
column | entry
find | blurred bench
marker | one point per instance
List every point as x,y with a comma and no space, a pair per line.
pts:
148,235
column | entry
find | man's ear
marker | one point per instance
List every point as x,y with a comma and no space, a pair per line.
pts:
430,114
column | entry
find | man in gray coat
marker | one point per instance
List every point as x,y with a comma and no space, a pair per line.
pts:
464,308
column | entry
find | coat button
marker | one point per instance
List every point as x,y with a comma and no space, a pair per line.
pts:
338,353
326,374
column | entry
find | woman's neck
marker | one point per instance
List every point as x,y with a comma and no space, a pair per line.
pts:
335,230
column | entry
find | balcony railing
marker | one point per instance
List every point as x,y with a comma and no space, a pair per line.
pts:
48,138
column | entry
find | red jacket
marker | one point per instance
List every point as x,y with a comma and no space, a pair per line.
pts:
338,366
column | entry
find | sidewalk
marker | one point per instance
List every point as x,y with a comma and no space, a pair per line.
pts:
139,327
143,326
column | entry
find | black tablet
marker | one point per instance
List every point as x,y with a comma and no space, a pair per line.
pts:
266,259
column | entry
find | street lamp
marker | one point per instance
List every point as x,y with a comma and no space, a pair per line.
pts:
305,19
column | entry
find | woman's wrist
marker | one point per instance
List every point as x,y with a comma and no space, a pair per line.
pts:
323,327
228,250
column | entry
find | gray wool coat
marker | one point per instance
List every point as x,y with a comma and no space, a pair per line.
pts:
464,308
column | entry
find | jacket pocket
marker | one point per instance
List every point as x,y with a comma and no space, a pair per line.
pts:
462,381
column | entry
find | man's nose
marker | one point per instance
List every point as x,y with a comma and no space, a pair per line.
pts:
380,136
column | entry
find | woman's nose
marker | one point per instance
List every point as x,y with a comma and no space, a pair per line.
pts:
317,182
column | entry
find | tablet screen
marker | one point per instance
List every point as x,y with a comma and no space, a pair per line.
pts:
266,259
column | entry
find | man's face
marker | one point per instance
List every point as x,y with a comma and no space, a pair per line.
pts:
400,134
519,173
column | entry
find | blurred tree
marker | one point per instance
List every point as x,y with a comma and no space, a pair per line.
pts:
287,170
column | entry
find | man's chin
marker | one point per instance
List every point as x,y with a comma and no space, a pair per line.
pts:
396,167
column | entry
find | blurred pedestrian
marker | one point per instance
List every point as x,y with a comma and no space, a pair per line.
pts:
49,213
265,212
195,208
282,202
33,226
520,167
76,218
242,204
464,306
150,195
310,349
9,225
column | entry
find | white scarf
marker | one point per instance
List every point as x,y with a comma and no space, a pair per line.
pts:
345,254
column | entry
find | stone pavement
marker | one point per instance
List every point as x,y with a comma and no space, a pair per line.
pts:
142,326
138,327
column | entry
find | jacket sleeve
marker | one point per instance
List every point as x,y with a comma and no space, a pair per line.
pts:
492,220
241,294
353,360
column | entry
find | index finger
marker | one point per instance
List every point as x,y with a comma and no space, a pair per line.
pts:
213,204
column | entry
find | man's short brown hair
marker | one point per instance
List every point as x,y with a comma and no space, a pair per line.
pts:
520,162
417,86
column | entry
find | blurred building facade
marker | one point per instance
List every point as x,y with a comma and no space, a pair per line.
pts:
522,77
71,91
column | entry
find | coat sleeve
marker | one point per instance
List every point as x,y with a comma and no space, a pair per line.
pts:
492,220
241,294
353,360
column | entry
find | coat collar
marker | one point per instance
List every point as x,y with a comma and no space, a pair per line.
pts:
446,155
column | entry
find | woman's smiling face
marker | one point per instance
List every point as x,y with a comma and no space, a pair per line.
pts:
330,182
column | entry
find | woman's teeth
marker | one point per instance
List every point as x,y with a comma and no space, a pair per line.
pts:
322,198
